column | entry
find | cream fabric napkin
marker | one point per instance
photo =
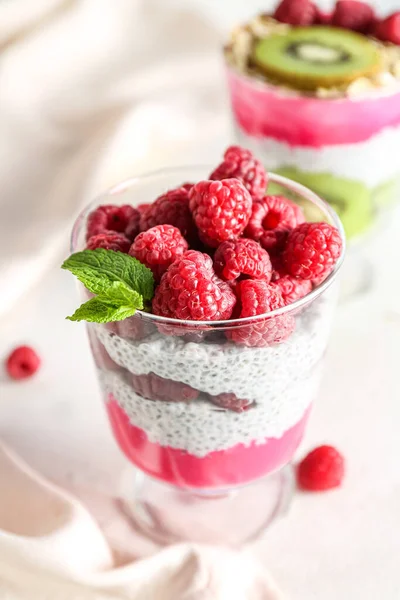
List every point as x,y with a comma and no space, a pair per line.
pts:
69,71
50,547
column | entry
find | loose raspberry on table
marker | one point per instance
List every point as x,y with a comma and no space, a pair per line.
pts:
388,30
240,163
109,241
291,288
353,14
172,208
153,387
158,248
108,217
322,469
312,250
296,12
22,363
234,259
270,221
230,402
190,290
221,209
257,297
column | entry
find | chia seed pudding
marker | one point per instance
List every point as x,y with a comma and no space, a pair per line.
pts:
339,138
219,403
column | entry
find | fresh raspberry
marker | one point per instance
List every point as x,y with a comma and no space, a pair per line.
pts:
353,14
242,257
240,163
322,469
257,297
158,248
388,30
23,362
134,328
190,290
323,18
108,218
109,241
221,209
296,12
172,208
230,402
270,221
292,289
133,227
153,387
101,357
312,250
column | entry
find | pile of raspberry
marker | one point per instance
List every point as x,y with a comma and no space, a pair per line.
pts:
348,14
222,249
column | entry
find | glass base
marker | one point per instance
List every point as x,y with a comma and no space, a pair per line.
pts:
168,515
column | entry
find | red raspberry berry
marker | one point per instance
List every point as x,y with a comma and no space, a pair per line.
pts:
158,248
240,163
221,209
270,221
109,218
153,387
133,227
230,402
323,18
134,328
322,469
353,14
109,241
312,250
172,208
100,355
242,257
388,30
190,290
23,362
257,297
296,12
292,289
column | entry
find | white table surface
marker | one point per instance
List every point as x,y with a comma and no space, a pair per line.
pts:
344,544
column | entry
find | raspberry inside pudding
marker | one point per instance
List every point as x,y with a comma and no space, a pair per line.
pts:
207,321
317,97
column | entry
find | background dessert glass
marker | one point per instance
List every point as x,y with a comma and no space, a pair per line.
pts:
343,148
209,423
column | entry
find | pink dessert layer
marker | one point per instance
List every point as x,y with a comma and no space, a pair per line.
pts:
265,111
221,469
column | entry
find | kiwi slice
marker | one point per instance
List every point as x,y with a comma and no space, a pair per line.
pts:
350,199
311,57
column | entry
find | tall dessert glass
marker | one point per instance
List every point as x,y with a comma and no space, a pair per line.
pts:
206,421
341,143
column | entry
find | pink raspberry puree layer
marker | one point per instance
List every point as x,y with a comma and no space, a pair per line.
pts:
264,111
235,466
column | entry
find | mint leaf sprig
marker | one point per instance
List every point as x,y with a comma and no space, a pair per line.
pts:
122,285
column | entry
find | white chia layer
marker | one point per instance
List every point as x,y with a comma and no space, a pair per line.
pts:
281,380
200,428
250,373
372,162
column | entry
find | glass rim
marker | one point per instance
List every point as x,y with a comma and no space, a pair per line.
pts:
295,187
